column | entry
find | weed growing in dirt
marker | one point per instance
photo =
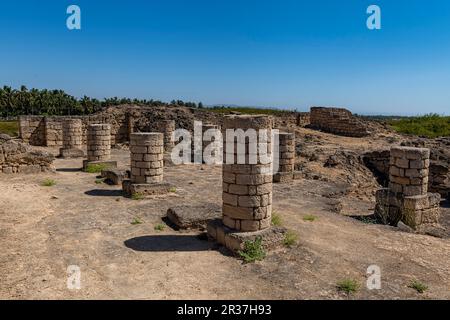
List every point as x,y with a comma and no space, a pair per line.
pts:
253,251
48,183
290,238
96,168
137,196
160,227
348,286
309,217
276,219
136,221
418,286
173,189
99,181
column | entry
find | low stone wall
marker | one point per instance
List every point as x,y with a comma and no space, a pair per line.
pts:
337,121
48,131
16,157
126,119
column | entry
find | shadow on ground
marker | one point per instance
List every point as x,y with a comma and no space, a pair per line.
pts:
68,169
104,193
168,243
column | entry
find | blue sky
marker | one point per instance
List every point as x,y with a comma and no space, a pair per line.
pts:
291,54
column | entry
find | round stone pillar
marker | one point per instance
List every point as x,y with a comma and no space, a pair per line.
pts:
408,171
72,138
167,128
99,142
147,154
247,182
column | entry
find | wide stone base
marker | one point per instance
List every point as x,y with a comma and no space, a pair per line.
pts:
194,217
233,240
414,211
115,176
71,153
282,177
145,189
106,164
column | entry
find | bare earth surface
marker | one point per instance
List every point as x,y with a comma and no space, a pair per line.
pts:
43,230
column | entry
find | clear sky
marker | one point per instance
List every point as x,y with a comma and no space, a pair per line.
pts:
291,54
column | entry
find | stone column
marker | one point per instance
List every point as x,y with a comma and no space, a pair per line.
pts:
247,187
286,158
72,139
407,198
167,128
99,142
408,171
147,152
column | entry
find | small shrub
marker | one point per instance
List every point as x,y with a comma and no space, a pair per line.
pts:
276,219
137,196
253,251
309,217
136,221
160,227
11,128
99,181
348,286
96,168
173,189
48,183
290,238
418,286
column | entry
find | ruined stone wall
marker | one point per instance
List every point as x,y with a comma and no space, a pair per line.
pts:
16,157
337,121
47,131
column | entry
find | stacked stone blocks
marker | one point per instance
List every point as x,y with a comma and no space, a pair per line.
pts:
407,199
286,158
147,165
72,139
99,146
147,153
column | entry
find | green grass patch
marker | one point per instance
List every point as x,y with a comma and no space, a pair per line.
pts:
290,239
137,196
48,183
430,126
173,189
418,286
160,227
96,168
99,181
11,128
276,219
309,217
253,251
136,221
348,286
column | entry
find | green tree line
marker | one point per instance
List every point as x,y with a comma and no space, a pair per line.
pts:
22,101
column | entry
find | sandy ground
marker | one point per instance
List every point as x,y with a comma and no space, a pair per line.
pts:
43,230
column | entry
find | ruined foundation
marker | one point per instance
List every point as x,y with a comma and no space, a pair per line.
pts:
147,153
247,189
72,139
407,199
99,146
286,158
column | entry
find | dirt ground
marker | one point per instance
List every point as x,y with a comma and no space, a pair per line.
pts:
43,230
